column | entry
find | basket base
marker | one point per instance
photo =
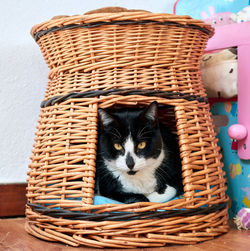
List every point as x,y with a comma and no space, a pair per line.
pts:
133,234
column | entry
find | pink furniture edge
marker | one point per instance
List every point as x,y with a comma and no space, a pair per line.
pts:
231,35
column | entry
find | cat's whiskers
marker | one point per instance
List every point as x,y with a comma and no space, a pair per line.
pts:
161,177
100,153
144,138
142,135
114,134
118,133
106,176
142,132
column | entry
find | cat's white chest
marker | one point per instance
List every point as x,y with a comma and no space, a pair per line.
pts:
143,182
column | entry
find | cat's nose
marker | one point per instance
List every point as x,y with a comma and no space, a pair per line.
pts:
130,161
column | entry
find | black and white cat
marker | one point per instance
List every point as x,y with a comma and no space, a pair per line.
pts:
138,158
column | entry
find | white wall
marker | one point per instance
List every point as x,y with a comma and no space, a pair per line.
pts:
23,72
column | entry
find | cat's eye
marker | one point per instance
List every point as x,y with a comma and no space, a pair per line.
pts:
118,146
141,145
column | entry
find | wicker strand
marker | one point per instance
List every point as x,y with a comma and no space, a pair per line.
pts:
41,33
125,216
123,92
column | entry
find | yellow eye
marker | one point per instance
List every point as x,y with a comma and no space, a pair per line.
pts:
141,145
117,146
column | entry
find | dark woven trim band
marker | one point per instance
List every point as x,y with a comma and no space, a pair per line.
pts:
125,216
123,92
125,22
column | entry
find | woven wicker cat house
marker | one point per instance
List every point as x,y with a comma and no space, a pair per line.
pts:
115,60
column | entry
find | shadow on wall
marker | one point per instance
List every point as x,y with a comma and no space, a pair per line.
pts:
23,80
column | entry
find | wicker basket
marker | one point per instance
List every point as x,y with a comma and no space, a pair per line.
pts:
122,59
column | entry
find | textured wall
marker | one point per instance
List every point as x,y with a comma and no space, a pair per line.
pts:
23,72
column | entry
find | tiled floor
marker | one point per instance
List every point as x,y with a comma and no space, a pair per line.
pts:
13,237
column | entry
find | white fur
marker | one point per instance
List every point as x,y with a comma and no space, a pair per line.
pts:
168,194
144,181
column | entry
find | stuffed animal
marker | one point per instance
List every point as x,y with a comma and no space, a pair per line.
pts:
217,19
112,10
219,73
104,10
242,16
242,219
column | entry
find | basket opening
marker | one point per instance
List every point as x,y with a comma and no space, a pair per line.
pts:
166,116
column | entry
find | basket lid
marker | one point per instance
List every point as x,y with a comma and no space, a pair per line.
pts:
93,19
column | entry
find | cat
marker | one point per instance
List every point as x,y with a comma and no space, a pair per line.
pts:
137,157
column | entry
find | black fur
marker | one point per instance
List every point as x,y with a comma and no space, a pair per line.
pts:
119,125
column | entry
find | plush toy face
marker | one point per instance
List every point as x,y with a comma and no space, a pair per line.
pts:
217,19
219,74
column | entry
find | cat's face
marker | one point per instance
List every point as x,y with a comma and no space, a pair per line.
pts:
130,140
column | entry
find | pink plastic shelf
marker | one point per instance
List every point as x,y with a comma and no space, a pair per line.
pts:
227,36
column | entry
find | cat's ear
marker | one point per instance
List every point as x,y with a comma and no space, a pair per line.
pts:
105,118
151,112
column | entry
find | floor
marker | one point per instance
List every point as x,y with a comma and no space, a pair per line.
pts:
13,237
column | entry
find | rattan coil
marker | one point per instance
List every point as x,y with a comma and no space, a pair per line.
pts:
113,60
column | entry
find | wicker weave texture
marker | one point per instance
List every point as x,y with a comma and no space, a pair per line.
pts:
139,56
132,234
142,56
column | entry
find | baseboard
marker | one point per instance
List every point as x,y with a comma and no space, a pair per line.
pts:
12,199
